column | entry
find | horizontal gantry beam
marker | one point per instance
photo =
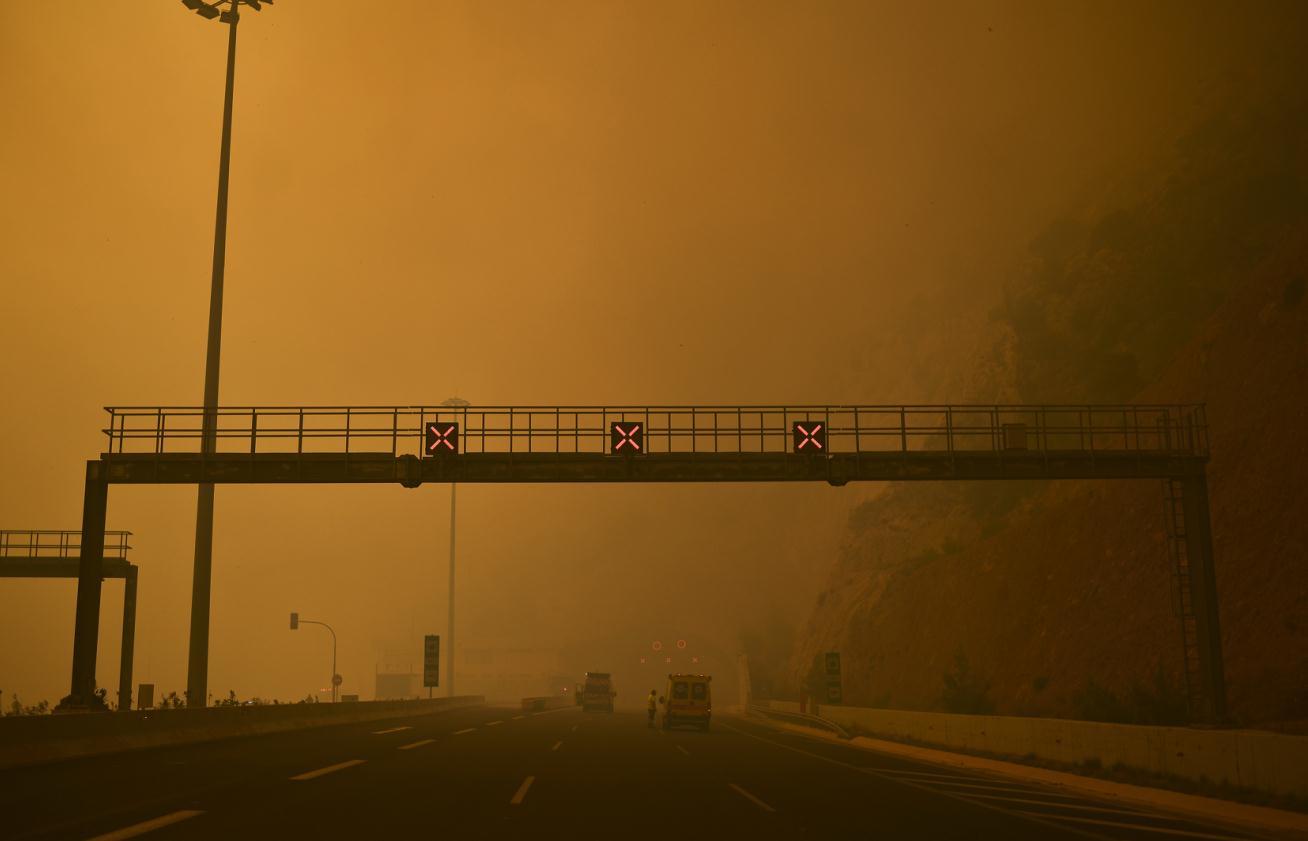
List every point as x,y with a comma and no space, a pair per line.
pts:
835,469
60,568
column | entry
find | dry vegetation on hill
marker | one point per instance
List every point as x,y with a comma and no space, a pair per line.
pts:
1055,599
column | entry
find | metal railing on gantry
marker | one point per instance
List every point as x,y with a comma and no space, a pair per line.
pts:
1176,429
53,543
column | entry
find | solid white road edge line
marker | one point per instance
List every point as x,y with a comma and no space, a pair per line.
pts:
916,784
1136,827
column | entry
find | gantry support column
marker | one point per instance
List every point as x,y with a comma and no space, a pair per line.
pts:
129,641
1203,582
86,633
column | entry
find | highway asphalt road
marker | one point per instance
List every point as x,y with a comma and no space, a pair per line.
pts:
498,773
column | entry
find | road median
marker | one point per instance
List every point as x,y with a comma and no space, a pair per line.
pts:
30,740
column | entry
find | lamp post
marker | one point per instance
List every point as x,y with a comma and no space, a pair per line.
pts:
296,622
197,668
453,403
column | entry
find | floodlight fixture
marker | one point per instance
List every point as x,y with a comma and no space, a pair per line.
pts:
210,9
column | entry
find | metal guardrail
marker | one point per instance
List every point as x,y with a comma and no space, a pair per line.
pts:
804,718
48,543
399,430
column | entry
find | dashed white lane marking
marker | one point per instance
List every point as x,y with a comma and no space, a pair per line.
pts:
745,794
516,717
339,766
148,826
522,792
465,730
392,730
683,750
418,744
574,728
556,745
493,723
1134,827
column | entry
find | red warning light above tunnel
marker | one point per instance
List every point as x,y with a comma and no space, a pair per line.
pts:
810,436
442,438
627,438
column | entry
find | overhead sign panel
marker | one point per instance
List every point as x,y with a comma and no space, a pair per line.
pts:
627,438
442,438
810,436
431,660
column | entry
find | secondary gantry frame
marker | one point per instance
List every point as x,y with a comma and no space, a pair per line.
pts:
46,553
746,443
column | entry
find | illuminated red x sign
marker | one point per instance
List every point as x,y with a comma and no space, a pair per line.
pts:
810,436
442,438
627,438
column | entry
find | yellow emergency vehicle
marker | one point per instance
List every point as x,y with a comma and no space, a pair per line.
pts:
689,701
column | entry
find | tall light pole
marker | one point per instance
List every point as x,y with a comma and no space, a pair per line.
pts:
453,403
296,622
197,667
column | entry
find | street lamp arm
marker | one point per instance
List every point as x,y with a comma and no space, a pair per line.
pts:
333,631
324,624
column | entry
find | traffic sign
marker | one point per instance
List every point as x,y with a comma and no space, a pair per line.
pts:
337,680
833,663
627,438
431,660
442,438
810,436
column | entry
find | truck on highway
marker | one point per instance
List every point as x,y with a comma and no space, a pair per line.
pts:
597,693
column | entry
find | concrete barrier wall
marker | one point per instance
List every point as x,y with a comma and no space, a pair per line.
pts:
547,702
1256,759
27,740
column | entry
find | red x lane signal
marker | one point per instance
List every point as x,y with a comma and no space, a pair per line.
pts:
442,438
810,436
627,438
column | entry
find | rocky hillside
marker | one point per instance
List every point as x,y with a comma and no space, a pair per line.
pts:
1055,599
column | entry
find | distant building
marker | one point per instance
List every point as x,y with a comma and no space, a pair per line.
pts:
509,674
397,686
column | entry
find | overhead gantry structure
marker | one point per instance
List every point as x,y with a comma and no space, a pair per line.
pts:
410,445
46,553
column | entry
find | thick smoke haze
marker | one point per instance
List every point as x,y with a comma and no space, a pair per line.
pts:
525,203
